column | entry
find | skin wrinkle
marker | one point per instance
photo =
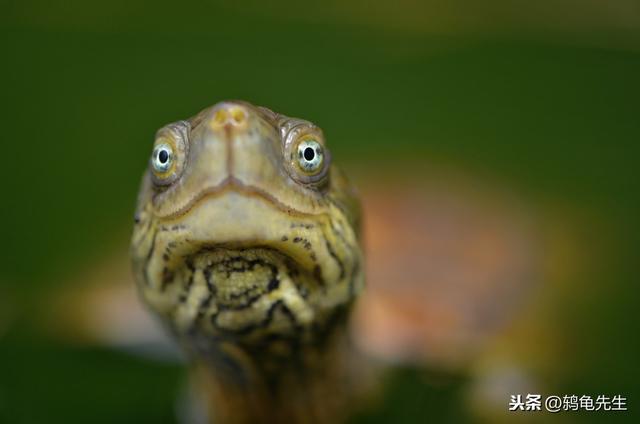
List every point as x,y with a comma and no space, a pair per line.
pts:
148,259
333,254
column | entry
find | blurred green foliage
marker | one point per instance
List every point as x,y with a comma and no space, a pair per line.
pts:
85,88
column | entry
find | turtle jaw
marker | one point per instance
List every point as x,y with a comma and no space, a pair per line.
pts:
238,266
236,219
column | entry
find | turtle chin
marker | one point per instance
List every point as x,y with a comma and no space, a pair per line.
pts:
237,269
247,294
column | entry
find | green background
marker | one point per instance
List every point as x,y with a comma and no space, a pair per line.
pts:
544,97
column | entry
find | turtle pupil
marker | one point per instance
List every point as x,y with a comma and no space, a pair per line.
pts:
163,156
309,154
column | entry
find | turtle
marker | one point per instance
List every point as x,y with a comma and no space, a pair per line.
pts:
247,247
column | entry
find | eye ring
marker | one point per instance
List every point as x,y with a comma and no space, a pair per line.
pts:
310,156
298,135
169,155
162,158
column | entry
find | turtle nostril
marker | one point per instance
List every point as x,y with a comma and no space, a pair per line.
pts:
229,115
238,115
220,118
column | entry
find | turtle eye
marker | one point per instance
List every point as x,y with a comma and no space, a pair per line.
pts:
162,158
170,151
310,156
307,157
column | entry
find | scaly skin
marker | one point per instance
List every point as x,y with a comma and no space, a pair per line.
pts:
252,263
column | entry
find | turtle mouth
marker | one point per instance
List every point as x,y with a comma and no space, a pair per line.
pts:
244,223
237,266
230,184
